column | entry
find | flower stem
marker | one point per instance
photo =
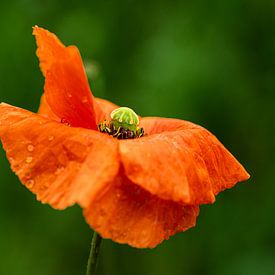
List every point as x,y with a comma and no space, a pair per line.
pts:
92,261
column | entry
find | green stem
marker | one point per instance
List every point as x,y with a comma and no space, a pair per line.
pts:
92,262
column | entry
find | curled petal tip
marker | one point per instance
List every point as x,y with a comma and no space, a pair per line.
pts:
247,176
35,28
2,104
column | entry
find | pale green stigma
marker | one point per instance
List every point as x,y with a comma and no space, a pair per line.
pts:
125,117
123,125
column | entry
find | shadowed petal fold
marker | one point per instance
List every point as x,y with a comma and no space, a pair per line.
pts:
103,109
180,161
46,111
126,213
66,86
60,164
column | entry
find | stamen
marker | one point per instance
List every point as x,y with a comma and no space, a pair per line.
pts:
120,132
123,125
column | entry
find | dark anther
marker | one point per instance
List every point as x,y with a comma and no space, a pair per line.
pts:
120,132
129,134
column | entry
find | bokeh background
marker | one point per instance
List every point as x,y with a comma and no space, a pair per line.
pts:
211,62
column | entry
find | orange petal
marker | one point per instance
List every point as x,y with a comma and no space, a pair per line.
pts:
156,125
50,49
60,164
66,86
180,161
46,111
128,214
103,109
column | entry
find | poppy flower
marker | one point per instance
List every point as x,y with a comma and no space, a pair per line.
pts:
134,188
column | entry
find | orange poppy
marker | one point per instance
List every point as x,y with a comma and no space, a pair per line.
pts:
138,191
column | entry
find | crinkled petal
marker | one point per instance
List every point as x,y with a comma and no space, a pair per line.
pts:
126,213
60,164
66,86
180,161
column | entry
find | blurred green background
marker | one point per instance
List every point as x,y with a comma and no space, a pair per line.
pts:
211,62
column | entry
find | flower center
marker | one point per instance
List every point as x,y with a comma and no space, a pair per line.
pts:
123,125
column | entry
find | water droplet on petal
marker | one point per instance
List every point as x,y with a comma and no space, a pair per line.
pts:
30,183
28,175
30,147
65,121
28,159
59,170
69,95
84,99
50,138
47,184
102,213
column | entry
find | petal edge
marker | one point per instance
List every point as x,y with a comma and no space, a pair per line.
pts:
187,165
60,164
128,214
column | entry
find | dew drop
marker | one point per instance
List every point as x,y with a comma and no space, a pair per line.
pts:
47,184
28,175
102,213
30,147
84,99
65,122
59,170
50,138
30,183
28,159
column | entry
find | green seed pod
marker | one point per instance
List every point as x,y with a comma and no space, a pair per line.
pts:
126,118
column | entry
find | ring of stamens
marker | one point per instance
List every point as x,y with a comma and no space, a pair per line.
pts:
123,125
120,132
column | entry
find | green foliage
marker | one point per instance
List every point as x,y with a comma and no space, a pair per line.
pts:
210,62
